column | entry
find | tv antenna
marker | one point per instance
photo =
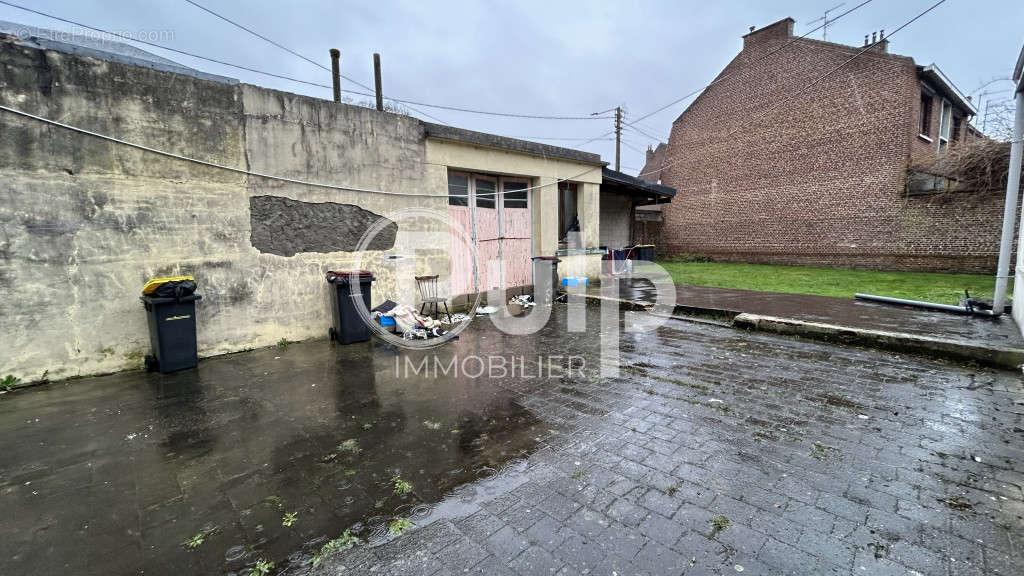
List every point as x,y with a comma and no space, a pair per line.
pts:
825,20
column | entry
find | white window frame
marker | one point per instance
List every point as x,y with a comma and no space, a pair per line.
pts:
945,123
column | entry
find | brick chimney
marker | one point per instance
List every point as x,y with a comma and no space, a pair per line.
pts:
650,153
781,30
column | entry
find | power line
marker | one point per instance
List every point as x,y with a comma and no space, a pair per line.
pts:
294,53
553,138
371,94
242,170
747,121
650,128
364,86
168,48
631,147
634,128
264,38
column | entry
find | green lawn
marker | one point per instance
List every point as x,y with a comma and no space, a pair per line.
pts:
944,288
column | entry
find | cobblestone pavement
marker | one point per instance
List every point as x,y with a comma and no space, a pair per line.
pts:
718,452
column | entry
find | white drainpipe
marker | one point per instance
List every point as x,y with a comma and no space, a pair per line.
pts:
1012,188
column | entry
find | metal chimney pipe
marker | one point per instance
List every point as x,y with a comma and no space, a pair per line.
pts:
336,73
865,39
376,82
874,36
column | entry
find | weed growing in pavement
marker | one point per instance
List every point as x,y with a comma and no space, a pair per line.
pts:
399,525
350,445
718,523
822,451
400,486
881,550
432,425
343,542
579,475
262,567
289,519
9,381
195,541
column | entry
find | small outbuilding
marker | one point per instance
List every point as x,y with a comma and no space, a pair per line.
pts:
625,201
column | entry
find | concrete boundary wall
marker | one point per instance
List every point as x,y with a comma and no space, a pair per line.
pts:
86,222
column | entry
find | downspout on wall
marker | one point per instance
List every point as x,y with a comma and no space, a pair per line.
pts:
1012,188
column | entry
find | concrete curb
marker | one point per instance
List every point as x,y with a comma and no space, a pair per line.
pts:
959,350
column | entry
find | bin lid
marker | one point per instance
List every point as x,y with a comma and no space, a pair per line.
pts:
158,282
349,275
542,258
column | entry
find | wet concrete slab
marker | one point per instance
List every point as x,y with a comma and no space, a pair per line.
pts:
712,448
113,475
1000,331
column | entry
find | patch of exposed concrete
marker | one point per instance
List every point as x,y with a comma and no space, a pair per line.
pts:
286,227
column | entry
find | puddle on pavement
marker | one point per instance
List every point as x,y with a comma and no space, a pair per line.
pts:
116,474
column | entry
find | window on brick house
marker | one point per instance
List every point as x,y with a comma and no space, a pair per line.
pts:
926,114
945,123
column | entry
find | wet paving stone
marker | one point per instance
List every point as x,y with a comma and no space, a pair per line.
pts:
823,459
828,460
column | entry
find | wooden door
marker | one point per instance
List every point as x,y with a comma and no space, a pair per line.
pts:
516,237
461,250
496,212
485,218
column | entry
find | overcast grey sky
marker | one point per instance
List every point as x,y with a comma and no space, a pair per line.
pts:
542,57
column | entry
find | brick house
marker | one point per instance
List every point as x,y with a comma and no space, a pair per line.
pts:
782,161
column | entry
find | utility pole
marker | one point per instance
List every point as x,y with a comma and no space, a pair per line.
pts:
618,136
376,81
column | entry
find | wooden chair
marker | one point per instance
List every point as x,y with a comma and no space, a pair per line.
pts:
427,286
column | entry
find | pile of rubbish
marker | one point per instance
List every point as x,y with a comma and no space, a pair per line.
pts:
452,319
408,320
524,300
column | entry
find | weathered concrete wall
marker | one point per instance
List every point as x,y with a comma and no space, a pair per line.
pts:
308,139
86,222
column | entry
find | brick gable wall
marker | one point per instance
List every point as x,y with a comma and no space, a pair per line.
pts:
818,179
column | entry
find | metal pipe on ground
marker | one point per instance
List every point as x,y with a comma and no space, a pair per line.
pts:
926,305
